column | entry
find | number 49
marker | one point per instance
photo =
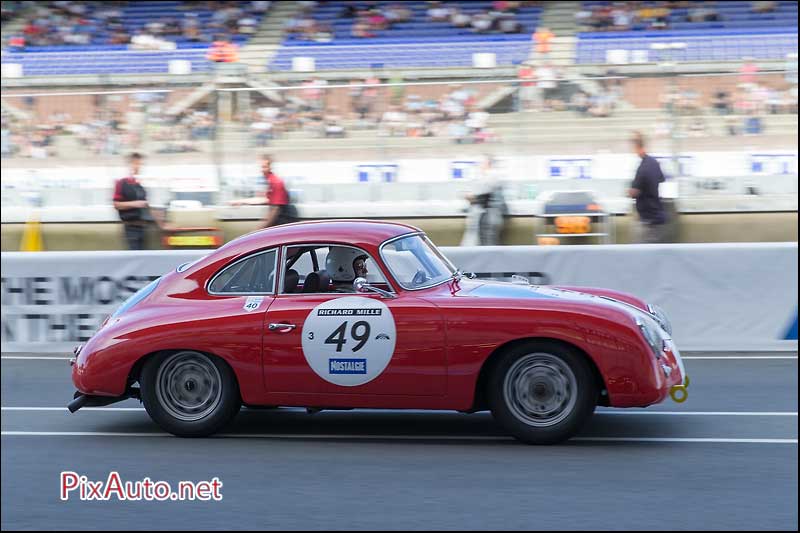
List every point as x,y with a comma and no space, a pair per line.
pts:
337,337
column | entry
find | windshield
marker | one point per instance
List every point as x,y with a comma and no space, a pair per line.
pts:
415,262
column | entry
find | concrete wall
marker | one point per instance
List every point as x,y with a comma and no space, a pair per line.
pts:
445,231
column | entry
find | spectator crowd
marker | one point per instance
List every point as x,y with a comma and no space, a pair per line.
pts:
69,22
460,113
625,16
372,19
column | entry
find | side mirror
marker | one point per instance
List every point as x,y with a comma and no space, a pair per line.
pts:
360,284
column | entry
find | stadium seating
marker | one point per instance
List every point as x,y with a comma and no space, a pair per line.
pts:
716,45
739,33
732,14
100,58
416,43
420,42
105,61
434,53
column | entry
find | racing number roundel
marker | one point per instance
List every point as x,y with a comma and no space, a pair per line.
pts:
349,341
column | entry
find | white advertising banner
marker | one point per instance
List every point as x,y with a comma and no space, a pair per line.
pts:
729,297
600,166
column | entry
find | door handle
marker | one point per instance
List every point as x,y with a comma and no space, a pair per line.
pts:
282,328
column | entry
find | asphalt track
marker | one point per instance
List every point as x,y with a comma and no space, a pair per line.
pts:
725,459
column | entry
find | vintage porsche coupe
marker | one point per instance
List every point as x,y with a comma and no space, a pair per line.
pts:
364,314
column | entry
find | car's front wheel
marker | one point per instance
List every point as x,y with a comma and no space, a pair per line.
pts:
542,392
188,393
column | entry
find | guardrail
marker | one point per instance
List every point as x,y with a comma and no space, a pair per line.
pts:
728,297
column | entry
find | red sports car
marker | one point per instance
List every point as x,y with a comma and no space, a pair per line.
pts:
361,314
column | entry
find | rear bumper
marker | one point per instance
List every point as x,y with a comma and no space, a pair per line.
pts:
100,372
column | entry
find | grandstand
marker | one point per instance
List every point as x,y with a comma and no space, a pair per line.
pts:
342,36
398,93
180,31
349,122
725,15
418,42
697,45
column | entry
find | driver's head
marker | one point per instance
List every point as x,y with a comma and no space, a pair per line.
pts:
345,264
360,266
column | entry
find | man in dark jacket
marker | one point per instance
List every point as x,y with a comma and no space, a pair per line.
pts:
644,189
130,201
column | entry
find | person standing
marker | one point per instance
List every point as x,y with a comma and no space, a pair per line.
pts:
280,210
130,201
542,38
485,217
652,227
527,90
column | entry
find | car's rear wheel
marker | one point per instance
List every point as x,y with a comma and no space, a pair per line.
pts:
188,393
542,392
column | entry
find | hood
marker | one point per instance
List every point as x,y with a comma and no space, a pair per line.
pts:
504,289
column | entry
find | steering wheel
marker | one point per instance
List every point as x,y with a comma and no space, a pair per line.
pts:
419,278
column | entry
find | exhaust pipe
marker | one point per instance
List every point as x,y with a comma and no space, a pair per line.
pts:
77,403
86,400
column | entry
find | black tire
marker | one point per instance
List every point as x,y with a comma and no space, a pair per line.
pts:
555,393
210,382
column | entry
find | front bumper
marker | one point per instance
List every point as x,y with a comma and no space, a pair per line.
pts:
674,370
678,391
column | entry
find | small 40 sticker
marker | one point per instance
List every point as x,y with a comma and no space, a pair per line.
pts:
252,303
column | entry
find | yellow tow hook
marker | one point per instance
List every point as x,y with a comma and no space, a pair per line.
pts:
679,393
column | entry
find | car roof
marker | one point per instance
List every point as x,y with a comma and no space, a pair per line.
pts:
349,231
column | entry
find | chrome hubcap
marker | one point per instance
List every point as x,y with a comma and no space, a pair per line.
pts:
540,389
189,386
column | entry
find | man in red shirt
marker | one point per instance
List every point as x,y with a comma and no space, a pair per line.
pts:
277,198
130,201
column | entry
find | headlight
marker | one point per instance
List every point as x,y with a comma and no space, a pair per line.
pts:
651,336
661,316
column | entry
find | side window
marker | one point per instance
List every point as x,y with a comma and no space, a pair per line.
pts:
319,268
254,274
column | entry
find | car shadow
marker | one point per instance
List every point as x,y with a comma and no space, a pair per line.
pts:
408,426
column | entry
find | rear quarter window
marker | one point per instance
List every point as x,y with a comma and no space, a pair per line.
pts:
253,274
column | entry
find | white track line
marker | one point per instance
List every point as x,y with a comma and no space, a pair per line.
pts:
729,357
35,358
394,437
687,357
698,413
65,409
624,412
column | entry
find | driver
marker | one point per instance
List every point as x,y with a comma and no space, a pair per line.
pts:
344,265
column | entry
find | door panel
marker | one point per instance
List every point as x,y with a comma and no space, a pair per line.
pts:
346,343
